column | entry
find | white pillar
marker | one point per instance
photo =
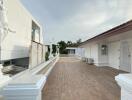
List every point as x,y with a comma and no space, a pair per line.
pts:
125,82
51,55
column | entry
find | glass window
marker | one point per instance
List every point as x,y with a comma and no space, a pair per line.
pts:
104,49
35,32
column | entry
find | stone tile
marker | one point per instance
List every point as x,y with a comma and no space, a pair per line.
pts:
72,79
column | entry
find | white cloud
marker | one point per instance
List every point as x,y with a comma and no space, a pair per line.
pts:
73,19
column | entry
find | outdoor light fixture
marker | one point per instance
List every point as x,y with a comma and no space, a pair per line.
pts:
104,49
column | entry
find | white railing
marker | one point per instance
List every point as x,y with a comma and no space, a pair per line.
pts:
28,84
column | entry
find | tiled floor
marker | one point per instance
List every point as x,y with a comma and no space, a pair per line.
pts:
72,79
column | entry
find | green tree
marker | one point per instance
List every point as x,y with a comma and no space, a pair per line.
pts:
47,56
79,41
49,48
54,50
69,43
62,47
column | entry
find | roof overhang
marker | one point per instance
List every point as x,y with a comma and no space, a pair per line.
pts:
121,29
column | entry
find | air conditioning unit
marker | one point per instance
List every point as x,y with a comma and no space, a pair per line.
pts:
83,59
86,60
90,61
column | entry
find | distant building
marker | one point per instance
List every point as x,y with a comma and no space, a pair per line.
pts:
71,50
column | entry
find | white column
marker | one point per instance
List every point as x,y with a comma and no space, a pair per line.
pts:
51,55
125,82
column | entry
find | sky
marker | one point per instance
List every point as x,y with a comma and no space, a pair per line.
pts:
78,19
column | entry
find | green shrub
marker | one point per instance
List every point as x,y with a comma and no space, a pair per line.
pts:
47,56
54,54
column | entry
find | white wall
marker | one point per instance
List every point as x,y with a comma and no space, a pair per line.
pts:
91,51
130,49
130,44
16,45
88,51
94,53
80,52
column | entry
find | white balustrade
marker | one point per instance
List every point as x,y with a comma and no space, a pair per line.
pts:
28,85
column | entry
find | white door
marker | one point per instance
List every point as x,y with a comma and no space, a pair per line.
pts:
114,54
125,57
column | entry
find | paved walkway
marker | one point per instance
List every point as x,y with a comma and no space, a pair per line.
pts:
72,79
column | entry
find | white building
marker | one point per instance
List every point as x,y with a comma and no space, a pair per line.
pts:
18,41
71,50
21,45
112,48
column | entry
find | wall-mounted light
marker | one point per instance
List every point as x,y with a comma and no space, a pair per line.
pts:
104,49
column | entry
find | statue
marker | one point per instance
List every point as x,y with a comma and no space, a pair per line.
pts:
3,30
3,21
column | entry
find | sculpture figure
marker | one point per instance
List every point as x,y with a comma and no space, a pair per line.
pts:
4,29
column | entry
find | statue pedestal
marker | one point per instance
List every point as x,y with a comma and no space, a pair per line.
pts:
3,78
125,82
25,87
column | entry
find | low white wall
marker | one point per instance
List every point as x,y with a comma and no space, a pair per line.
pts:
28,85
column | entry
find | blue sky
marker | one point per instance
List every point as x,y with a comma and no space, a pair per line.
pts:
74,19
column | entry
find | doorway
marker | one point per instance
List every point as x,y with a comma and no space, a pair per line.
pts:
125,57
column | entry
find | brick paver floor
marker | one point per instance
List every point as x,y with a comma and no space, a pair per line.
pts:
72,79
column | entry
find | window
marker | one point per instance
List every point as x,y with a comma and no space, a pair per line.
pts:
35,32
104,49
